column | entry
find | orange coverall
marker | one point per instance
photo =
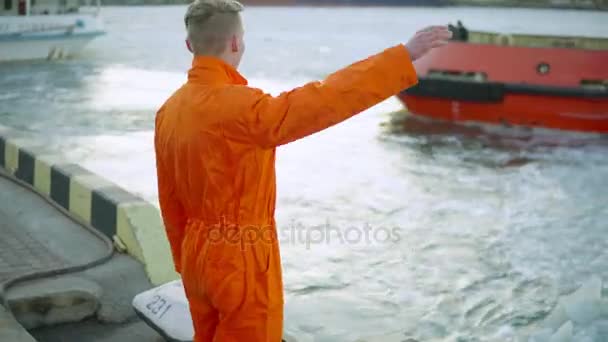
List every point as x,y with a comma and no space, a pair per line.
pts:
215,141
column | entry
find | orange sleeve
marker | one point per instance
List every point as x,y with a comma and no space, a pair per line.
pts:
171,210
273,121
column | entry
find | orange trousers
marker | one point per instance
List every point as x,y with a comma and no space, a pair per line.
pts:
234,285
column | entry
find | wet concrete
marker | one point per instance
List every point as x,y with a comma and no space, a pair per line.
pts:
51,301
11,330
91,305
93,330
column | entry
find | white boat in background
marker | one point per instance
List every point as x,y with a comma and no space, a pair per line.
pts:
46,29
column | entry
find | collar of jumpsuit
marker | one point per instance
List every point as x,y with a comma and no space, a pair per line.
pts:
212,70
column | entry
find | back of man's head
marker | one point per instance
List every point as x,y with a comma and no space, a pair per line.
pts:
211,24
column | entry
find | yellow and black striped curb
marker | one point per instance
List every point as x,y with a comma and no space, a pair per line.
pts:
127,219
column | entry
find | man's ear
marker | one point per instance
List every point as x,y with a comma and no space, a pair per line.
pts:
235,44
189,46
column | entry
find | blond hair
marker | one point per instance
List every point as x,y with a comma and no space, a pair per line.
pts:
210,23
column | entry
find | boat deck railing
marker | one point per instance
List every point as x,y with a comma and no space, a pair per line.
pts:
463,34
539,41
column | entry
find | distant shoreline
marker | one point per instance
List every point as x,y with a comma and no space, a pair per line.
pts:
600,5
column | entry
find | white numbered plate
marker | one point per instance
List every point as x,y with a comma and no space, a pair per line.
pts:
165,308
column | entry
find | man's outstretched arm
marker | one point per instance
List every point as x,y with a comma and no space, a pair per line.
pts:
271,121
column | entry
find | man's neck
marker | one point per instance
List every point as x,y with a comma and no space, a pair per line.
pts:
223,57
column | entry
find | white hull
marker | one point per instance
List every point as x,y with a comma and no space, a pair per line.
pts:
42,49
46,37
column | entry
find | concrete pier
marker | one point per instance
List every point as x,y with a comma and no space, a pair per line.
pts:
58,216
94,303
11,330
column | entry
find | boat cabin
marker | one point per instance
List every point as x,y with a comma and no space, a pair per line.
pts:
38,7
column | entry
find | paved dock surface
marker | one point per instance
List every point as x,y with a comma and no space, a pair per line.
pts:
93,305
21,253
11,330
92,330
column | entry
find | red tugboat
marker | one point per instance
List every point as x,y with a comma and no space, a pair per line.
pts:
526,80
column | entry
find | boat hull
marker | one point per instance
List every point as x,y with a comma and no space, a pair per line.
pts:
42,49
576,114
506,85
46,37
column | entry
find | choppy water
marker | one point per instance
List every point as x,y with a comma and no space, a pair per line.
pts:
485,228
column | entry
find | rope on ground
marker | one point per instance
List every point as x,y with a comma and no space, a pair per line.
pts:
4,287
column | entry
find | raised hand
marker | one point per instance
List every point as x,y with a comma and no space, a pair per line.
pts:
427,39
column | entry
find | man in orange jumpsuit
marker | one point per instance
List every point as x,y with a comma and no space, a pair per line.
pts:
215,143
